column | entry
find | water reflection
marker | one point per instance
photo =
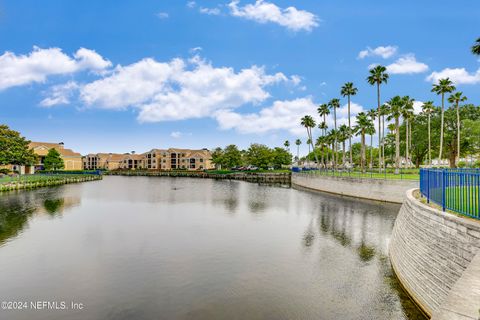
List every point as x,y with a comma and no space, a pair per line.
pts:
176,248
17,207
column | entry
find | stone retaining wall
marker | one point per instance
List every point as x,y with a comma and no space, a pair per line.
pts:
430,250
374,189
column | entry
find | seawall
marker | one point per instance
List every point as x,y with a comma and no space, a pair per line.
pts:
266,177
436,256
373,189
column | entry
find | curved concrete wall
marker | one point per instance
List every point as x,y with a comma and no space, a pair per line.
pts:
373,189
430,252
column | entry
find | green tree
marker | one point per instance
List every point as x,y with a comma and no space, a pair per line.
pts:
14,148
260,155
428,109
408,115
363,125
378,75
348,90
476,47
53,160
455,99
298,142
334,104
443,86
396,111
343,136
281,157
287,144
308,122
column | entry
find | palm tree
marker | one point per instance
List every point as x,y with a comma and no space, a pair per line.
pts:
287,145
298,142
407,113
396,111
378,75
476,47
349,90
308,122
334,104
363,123
309,143
443,86
383,112
428,108
323,126
455,99
372,114
323,111
332,139
343,135
321,142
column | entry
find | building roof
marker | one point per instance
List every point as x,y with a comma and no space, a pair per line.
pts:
57,146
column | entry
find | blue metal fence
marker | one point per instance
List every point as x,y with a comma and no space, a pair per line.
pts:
453,189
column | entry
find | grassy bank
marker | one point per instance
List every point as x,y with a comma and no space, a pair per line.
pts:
8,183
388,175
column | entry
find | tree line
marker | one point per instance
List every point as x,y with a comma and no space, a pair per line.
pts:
451,132
258,155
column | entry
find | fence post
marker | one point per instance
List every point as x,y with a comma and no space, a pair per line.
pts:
444,188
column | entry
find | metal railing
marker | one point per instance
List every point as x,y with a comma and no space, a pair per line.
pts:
454,189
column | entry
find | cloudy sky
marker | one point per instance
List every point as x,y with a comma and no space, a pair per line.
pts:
117,76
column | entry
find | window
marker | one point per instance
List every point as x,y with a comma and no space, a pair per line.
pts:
201,160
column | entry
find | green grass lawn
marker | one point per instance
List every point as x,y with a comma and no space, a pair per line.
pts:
389,175
464,200
249,171
34,178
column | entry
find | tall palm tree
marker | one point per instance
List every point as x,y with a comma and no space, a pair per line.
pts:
309,143
428,109
334,104
383,112
378,75
298,142
443,86
323,111
332,139
396,111
323,127
343,136
372,114
455,99
348,90
363,123
476,47
308,122
321,141
287,145
407,113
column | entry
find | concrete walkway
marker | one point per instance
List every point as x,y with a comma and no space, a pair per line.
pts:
463,301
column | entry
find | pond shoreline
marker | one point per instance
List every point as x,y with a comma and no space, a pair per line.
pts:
48,181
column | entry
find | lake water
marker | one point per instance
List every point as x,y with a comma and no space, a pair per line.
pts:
180,248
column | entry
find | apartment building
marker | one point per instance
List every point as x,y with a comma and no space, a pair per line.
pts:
102,161
174,159
132,161
71,159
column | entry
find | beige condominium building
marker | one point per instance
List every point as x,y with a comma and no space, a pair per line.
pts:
104,161
173,159
72,160
132,161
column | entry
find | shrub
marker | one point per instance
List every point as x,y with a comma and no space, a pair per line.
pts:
4,171
461,164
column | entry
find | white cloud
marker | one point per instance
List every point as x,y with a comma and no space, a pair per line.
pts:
179,89
282,115
407,65
263,12
382,51
457,75
176,134
162,15
90,60
60,94
417,106
191,4
210,11
17,70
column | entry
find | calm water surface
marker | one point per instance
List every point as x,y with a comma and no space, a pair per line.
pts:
179,248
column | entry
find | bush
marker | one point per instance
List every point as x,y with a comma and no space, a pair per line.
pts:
4,171
461,164
477,164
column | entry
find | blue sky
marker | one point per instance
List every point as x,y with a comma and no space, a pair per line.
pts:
117,76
